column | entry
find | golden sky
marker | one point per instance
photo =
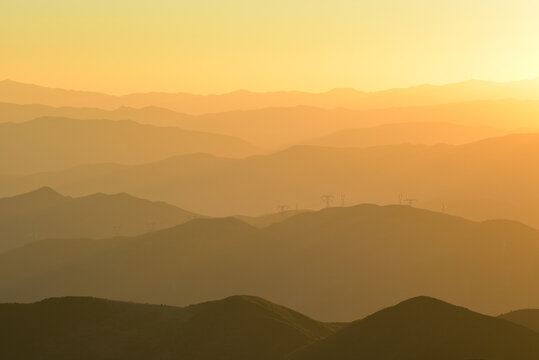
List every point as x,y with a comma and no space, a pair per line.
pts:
207,46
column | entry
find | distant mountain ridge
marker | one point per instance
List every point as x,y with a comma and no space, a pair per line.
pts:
47,144
44,213
470,180
14,92
334,264
284,126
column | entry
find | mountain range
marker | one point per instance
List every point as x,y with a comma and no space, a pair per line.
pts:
335,264
470,179
279,127
19,93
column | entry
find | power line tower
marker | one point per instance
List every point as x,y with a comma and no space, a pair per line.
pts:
342,199
409,201
444,208
328,199
282,209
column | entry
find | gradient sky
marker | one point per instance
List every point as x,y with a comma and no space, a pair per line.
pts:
207,46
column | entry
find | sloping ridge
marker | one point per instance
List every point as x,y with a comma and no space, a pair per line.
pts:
424,328
525,317
235,328
44,213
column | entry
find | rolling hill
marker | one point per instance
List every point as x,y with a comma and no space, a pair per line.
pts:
236,328
44,213
247,327
47,144
425,329
335,264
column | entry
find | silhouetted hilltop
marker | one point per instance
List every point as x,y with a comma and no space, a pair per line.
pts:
526,317
424,329
334,264
235,328
48,144
44,213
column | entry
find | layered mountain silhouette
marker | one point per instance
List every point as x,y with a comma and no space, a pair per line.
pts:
466,177
19,93
277,126
46,144
335,264
424,329
247,327
44,213
239,327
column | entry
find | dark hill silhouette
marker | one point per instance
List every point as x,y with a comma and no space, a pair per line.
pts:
424,329
236,328
48,144
526,317
44,213
335,264
19,93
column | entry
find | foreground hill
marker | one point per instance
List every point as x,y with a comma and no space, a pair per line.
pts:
48,144
246,327
335,264
235,328
426,329
527,317
19,93
44,213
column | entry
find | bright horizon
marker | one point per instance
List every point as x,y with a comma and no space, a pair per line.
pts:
221,46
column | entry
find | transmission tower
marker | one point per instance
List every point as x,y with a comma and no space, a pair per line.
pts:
328,199
282,209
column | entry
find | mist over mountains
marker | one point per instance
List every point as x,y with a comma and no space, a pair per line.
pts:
338,204
471,180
